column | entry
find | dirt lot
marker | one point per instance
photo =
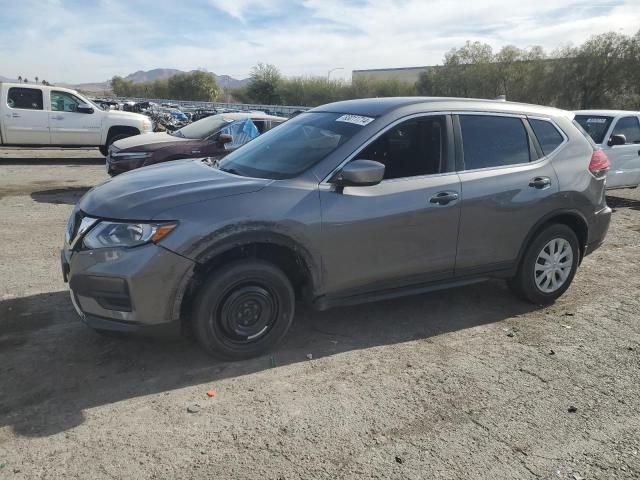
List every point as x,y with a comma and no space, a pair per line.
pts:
468,383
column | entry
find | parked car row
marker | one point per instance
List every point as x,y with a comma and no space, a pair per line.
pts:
212,137
350,202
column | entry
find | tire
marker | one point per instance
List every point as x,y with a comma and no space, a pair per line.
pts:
541,284
243,309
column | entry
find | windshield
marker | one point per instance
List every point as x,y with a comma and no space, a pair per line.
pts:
294,146
596,126
203,128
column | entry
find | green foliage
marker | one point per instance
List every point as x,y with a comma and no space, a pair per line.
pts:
601,73
196,85
265,84
269,87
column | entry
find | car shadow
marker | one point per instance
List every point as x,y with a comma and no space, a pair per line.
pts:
53,367
620,202
65,195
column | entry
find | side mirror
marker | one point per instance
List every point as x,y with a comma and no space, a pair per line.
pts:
617,140
360,173
84,108
224,138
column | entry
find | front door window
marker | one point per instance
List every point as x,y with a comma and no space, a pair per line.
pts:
64,102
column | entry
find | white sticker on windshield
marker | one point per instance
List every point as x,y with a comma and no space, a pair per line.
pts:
355,119
596,120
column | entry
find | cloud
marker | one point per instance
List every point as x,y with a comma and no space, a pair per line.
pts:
79,41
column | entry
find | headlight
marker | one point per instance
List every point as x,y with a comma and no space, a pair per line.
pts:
130,155
121,234
147,126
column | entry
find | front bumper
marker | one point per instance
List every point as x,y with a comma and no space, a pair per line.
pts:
125,289
598,230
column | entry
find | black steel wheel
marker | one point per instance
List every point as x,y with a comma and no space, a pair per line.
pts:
243,309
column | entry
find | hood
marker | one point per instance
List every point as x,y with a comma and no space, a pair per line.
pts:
115,114
146,140
146,192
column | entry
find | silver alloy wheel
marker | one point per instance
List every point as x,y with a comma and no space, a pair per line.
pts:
553,265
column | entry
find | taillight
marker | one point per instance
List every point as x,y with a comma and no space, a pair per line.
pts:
599,163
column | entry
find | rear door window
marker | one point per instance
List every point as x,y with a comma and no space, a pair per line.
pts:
493,141
26,98
547,134
629,127
596,126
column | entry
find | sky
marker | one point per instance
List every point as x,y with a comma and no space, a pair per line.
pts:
79,41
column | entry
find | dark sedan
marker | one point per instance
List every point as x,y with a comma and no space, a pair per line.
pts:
214,136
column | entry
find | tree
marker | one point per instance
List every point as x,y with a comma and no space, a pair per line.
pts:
36,79
265,84
19,78
196,85
26,80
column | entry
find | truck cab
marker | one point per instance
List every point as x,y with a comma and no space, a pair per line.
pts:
38,115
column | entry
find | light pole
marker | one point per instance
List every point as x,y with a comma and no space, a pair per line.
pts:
333,70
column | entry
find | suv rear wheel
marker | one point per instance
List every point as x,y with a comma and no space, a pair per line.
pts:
548,266
243,309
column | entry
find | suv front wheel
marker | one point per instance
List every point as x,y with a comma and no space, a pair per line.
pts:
548,266
243,309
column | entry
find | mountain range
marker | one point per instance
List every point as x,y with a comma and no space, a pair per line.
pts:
224,81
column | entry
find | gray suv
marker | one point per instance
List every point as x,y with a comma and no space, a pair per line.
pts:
350,202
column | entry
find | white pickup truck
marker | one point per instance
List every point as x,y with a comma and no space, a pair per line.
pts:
38,115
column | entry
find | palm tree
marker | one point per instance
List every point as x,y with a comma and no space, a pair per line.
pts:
44,82
19,78
36,79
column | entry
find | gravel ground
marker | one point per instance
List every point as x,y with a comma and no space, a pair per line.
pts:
467,383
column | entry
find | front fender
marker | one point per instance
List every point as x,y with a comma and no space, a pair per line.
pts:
244,234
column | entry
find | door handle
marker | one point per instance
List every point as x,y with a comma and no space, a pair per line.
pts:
15,115
540,182
58,117
444,198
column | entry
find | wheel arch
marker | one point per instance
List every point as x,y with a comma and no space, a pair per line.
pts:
286,253
571,218
119,129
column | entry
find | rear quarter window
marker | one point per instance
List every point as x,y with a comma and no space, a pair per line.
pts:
547,134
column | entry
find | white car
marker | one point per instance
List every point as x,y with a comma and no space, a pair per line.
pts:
617,132
38,115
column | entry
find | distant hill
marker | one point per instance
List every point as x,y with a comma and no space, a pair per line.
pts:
150,75
224,81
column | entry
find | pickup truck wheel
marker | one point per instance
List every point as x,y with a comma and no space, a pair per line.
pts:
548,266
243,309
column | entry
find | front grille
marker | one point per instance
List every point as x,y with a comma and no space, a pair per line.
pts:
77,226
112,149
